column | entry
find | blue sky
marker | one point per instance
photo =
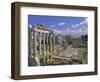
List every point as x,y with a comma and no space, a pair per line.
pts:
61,24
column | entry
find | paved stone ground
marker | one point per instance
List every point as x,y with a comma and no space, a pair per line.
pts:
70,51
71,55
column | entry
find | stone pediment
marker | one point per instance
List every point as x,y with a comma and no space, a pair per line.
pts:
41,27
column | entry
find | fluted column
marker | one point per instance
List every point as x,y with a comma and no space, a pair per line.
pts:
44,43
40,43
44,48
35,44
47,42
35,49
50,42
47,46
29,42
53,43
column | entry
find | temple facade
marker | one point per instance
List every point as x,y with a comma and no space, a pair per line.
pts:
41,42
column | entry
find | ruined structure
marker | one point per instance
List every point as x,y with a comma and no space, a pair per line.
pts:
47,48
41,42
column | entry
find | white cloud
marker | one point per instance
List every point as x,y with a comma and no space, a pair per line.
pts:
81,23
82,30
76,30
30,26
57,31
52,25
61,23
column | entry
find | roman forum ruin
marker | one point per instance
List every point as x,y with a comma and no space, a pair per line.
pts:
41,41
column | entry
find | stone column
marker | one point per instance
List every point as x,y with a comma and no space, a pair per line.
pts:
50,41
40,43
35,44
44,48
35,49
29,42
53,42
47,42
47,47
44,43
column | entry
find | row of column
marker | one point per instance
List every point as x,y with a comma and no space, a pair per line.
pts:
48,41
46,37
